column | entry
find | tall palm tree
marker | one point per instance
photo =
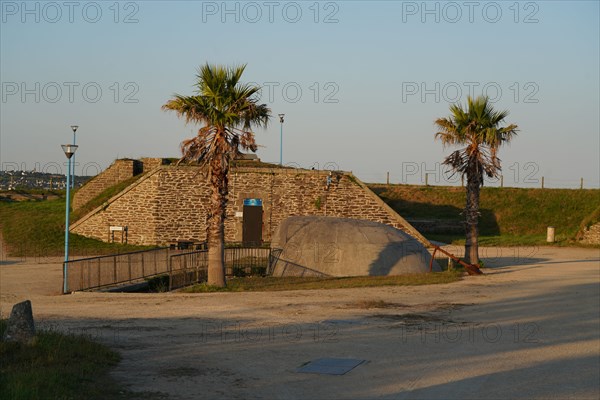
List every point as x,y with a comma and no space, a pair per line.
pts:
227,110
478,128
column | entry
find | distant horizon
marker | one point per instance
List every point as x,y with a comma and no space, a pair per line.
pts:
431,180
361,83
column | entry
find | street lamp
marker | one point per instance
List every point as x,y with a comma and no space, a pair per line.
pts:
74,127
281,139
69,150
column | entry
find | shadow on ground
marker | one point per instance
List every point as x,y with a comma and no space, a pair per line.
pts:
524,347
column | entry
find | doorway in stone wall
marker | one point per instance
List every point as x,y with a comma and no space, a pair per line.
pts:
252,222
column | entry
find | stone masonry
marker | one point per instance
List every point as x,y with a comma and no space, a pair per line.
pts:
148,163
119,171
170,204
591,235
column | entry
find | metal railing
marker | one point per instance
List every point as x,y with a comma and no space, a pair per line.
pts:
192,267
188,268
471,269
112,270
247,261
185,268
182,267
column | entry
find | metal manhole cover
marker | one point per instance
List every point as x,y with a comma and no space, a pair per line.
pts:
330,366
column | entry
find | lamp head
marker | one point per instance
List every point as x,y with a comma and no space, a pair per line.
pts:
69,149
281,117
74,127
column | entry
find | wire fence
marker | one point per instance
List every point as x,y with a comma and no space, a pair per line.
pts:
433,177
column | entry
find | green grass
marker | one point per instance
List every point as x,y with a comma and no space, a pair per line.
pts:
34,192
57,366
248,266
36,228
590,220
509,216
158,284
272,284
502,240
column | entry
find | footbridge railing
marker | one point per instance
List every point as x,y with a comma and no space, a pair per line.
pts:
192,267
186,267
183,267
114,270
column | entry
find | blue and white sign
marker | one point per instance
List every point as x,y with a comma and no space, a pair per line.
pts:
253,202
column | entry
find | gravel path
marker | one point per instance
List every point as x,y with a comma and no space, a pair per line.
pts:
528,329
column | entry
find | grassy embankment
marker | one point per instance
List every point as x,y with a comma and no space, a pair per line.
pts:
509,216
57,366
36,228
272,284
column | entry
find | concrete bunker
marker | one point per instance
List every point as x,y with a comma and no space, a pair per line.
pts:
315,245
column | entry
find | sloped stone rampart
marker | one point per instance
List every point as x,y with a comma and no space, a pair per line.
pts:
119,171
170,204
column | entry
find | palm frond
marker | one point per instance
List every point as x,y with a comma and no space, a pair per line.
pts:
227,111
477,126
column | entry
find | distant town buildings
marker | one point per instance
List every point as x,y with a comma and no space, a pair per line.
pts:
13,180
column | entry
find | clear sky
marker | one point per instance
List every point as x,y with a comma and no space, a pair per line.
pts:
360,82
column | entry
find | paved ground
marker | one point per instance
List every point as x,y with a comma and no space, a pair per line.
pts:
528,329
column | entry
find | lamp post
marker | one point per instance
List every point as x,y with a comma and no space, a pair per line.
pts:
69,150
74,128
281,139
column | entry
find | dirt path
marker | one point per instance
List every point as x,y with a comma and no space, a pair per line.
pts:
528,329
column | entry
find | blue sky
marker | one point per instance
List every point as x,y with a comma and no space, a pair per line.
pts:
360,82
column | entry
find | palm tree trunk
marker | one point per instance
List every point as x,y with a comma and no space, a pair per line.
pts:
216,222
472,217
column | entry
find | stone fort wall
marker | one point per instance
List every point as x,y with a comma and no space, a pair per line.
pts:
170,204
119,171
